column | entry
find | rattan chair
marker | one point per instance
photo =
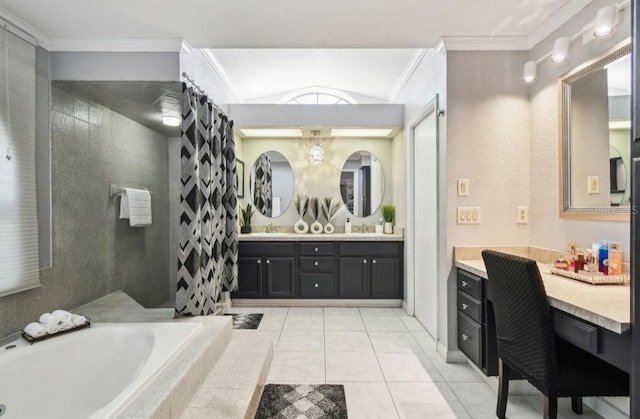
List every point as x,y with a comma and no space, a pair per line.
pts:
528,345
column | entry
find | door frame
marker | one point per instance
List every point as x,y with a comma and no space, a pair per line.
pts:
441,234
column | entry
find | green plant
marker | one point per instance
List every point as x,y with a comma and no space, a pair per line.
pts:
389,213
330,207
247,213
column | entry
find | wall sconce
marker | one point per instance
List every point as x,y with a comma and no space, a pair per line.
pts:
605,20
560,50
529,74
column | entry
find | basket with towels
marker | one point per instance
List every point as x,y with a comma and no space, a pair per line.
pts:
53,323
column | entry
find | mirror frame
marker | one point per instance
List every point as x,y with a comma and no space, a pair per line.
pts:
564,96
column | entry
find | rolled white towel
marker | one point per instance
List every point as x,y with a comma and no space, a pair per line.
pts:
62,315
78,320
66,325
52,329
35,329
49,319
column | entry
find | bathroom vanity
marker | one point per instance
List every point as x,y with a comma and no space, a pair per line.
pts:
595,318
336,266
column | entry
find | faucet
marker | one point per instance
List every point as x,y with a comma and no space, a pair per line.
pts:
269,228
364,227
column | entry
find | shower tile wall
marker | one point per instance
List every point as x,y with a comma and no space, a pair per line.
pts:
95,253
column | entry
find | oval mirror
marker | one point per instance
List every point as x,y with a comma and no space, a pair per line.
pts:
362,184
271,184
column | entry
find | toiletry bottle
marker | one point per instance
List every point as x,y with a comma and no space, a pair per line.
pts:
347,226
615,258
380,226
595,253
579,263
603,256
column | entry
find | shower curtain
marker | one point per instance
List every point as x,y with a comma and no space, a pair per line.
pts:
208,254
263,191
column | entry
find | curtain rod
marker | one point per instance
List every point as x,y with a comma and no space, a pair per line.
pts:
201,90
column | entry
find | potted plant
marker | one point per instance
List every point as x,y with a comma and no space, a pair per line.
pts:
389,215
245,220
330,207
301,203
315,208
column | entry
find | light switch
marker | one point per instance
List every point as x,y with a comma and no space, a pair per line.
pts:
468,215
522,215
593,184
463,187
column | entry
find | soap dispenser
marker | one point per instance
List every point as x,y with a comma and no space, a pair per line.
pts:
380,226
347,226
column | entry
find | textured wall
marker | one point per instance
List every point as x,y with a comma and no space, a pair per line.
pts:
546,228
317,179
95,253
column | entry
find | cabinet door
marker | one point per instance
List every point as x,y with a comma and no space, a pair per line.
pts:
249,278
386,281
280,277
354,277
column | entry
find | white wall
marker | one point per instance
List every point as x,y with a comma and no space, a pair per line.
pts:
546,228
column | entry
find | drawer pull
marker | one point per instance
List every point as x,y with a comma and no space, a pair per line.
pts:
374,261
268,261
259,262
464,306
465,337
316,249
465,283
364,261
316,263
316,285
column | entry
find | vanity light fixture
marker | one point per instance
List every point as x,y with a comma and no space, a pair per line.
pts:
605,20
529,74
171,121
560,50
316,151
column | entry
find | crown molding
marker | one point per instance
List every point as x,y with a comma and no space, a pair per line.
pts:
116,44
407,73
484,43
22,29
556,20
219,70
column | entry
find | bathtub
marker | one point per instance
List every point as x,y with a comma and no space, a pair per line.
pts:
91,373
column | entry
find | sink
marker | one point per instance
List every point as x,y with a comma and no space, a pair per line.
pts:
267,234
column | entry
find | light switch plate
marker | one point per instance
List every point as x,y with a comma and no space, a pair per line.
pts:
593,184
468,215
463,187
522,215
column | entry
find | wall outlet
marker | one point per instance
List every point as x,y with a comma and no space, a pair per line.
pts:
593,184
522,215
468,215
463,187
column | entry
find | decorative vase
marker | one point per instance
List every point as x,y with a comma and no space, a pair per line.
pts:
316,227
329,228
388,228
301,226
245,229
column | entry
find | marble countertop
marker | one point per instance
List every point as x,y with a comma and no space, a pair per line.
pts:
607,306
358,237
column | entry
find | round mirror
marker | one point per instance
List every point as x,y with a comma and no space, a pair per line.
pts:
271,184
362,184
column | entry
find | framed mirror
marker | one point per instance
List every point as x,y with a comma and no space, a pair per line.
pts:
362,184
271,184
595,138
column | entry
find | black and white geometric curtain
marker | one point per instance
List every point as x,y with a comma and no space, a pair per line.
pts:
208,255
263,191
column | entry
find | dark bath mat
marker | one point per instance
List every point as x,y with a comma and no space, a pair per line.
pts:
285,401
246,321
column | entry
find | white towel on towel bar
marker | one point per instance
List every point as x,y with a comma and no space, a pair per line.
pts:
135,204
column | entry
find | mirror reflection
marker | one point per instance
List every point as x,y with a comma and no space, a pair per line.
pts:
362,184
271,184
596,136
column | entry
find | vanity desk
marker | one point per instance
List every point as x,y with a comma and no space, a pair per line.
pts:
595,318
320,266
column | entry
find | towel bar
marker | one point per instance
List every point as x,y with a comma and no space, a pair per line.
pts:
115,190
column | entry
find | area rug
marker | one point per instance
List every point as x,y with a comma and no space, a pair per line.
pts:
246,321
300,401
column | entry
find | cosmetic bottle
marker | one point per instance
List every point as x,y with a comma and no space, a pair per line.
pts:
347,226
615,258
603,256
380,226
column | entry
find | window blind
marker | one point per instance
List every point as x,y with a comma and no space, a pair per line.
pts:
19,262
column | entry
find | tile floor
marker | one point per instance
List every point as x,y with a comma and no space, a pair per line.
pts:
387,363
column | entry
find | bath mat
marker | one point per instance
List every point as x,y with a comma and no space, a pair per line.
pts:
293,401
246,321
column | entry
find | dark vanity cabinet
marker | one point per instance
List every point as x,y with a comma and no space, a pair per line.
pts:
476,333
371,270
266,270
323,269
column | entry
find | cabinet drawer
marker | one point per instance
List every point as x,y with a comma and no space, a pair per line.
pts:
267,249
317,284
581,334
322,263
470,306
370,248
470,338
309,249
470,284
